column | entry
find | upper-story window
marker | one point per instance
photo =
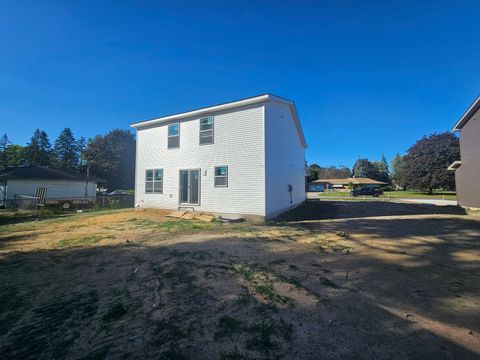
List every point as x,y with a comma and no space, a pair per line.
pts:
174,135
206,130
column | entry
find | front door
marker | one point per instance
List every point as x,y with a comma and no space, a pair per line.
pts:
190,187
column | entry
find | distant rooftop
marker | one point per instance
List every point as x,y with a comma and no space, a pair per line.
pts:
353,180
39,172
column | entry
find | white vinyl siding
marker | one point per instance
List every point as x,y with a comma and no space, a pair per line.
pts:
55,189
284,159
239,142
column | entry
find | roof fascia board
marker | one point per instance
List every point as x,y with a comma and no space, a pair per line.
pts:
467,115
210,109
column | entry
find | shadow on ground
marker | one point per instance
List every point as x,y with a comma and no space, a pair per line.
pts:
326,209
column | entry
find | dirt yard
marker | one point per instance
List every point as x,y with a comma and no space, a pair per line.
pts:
329,280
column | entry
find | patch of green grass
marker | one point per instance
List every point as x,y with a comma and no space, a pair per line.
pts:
329,283
243,299
277,261
262,283
185,226
326,242
234,355
83,240
167,336
447,195
168,331
10,302
173,354
265,331
55,326
265,334
115,312
174,226
227,326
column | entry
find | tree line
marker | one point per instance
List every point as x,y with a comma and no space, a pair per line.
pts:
110,157
423,167
377,170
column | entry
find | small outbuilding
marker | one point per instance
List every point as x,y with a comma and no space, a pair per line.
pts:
37,185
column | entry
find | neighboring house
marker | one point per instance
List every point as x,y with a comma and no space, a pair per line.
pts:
245,158
27,184
467,168
321,185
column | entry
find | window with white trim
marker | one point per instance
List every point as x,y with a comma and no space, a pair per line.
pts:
174,135
154,181
221,176
206,130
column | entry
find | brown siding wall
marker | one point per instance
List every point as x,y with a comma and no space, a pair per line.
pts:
467,176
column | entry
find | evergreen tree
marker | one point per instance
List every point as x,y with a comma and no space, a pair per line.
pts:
4,144
39,151
364,168
383,170
65,151
14,155
396,165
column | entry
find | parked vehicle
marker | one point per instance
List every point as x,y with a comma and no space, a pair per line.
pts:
366,191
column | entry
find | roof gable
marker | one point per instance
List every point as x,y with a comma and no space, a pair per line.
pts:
467,115
227,106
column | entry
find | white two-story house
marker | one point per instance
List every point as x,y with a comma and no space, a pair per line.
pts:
245,157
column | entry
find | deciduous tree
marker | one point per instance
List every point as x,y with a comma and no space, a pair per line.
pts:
424,167
112,157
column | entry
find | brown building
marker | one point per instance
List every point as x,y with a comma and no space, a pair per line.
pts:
467,169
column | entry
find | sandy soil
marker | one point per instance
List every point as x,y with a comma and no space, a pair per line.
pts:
328,280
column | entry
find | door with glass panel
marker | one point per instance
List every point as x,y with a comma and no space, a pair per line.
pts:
190,187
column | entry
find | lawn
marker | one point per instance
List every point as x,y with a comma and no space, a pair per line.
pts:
444,195
384,281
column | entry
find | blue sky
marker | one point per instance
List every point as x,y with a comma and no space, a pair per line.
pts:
368,77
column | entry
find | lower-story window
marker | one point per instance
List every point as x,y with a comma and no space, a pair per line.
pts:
154,181
221,176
